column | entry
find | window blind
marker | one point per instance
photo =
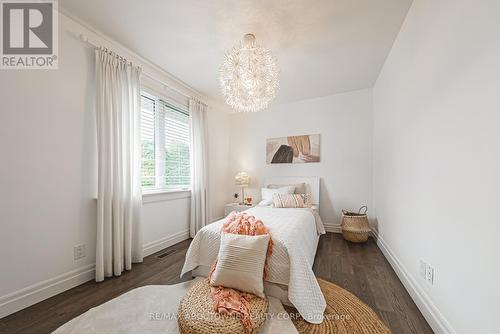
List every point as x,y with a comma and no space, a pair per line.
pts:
165,134
176,141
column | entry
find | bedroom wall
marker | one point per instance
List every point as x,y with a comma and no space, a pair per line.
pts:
218,163
48,175
344,122
436,161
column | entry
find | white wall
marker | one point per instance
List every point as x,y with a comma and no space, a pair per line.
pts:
48,174
218,160
344,122
436,160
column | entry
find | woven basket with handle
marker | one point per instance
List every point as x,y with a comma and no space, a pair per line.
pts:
355,226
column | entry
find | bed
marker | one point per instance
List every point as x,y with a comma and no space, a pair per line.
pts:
295,233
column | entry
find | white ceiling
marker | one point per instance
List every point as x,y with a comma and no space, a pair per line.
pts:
322,46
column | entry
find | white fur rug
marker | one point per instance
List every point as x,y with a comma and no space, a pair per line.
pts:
152,309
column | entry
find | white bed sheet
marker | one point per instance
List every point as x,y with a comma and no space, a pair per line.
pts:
295,234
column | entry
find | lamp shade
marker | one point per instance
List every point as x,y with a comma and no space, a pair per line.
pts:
242,179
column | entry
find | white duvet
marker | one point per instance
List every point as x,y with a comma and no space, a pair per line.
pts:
295,235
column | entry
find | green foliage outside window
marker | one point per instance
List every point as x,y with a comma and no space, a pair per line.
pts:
148,164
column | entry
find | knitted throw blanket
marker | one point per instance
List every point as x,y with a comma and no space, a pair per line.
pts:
230,301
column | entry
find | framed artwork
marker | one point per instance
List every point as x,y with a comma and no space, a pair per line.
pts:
293,149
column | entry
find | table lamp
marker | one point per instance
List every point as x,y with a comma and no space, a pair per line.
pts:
242,179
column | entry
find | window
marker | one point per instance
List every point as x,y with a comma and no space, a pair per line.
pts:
165,142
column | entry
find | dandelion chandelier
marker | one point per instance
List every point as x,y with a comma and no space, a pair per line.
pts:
249,76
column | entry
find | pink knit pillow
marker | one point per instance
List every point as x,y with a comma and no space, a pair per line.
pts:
291,200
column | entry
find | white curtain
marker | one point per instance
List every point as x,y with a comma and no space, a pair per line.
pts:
199,166
119,200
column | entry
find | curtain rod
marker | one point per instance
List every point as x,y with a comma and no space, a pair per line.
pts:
85,39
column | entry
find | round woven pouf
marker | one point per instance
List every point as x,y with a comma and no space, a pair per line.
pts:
196,314
344,314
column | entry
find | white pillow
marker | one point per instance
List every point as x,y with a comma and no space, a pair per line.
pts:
300,188
241,263
267,193
265,202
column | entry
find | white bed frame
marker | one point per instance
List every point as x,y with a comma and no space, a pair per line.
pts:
311,181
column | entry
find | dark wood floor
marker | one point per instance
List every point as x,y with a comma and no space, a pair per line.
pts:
361,269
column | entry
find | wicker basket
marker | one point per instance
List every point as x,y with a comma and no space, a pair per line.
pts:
355,226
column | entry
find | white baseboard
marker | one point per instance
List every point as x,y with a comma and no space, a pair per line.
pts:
431,313
335,228
216,219
38,292
331,227
158,245
35,293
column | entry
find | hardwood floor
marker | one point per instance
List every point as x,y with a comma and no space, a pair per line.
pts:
361,269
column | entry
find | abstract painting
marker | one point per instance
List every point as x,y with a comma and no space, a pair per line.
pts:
293,149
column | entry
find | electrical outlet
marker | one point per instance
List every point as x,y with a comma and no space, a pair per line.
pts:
429,274
79,252
426,271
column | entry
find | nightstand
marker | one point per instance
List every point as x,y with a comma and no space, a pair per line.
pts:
236,207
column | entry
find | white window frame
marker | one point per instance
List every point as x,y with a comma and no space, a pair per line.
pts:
159,153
